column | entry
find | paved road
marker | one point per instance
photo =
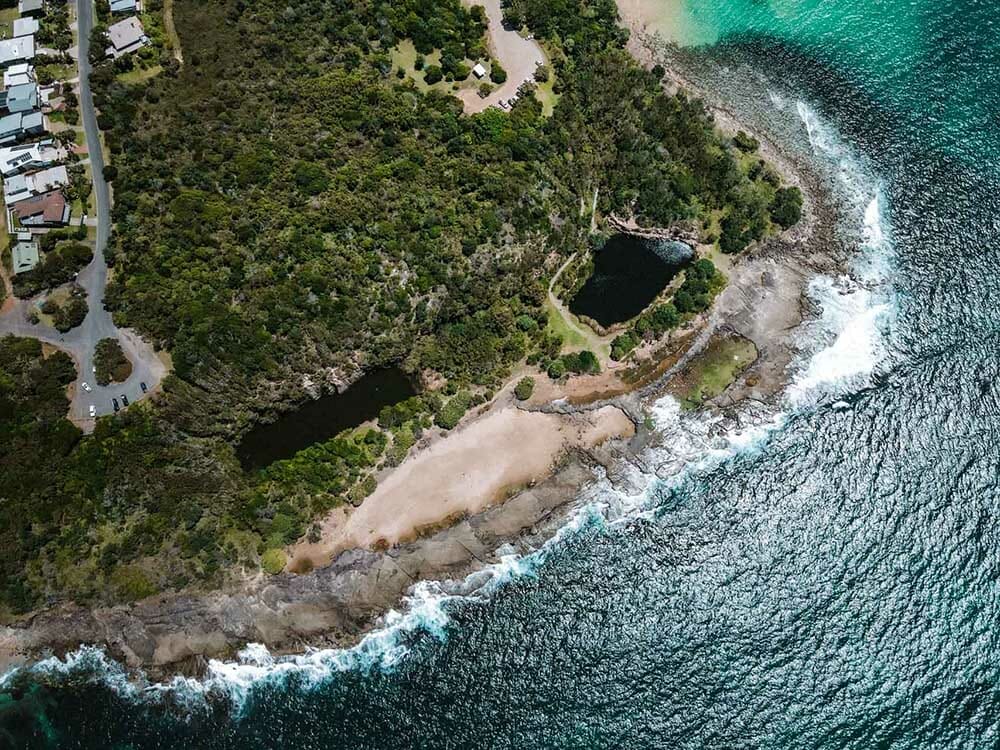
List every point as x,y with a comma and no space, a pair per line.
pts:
79,343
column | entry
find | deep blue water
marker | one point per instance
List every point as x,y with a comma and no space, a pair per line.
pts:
830,582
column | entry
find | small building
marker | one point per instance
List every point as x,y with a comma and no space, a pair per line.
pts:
126,37
28,157
25,27
18,125
125,6
13,51
24,256
18,74
15,189
46,210
479,71
19,187
23,97
31,7
48,179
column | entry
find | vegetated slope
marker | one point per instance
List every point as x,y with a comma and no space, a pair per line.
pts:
287,207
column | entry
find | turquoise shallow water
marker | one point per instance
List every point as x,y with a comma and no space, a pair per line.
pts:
828,580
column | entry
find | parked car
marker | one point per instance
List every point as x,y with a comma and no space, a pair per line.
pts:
86,387
114,403
125,399
93,411
143,386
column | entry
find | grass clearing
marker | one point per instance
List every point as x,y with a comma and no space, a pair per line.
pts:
557,324
139,75
713,370
7,18
404,55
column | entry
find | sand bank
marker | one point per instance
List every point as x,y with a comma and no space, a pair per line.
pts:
470,469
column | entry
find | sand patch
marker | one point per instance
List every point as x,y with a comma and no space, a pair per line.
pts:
467,471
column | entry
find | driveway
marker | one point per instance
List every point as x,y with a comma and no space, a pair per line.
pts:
80,342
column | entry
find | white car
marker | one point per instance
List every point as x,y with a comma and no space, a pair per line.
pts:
93,411
86,387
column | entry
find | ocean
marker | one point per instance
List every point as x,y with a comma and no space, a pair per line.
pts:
823,576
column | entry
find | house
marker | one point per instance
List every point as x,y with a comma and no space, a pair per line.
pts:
17,125
19,187
25,27
24,256
29,157
46,210
23,97
48,179
479,71
126,36
31,7
16,50
18,74
125,6
15,189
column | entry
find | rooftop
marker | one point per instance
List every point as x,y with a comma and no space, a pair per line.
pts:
25,26
28,6
24,256
50,208
125,34
17,50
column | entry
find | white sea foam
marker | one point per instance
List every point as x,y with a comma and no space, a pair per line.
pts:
848,342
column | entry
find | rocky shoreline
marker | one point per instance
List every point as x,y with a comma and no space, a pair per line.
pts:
333,606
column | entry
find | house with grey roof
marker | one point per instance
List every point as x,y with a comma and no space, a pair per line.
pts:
17,50
125,6
20,98
25,26
24,256
126,37
17,74
18,125
31,7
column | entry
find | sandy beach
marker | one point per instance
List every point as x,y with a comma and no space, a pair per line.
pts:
468,470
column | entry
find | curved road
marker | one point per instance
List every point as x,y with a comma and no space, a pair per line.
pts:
79,343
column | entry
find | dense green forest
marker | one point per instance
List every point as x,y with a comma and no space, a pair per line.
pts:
285,206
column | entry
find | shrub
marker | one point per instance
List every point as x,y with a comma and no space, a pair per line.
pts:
557,368
453,410
581,362
623,344
542,73
111,363
70,315
433,74
524,388
497,74
110,172
745,143
131,583
786,208
273,561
